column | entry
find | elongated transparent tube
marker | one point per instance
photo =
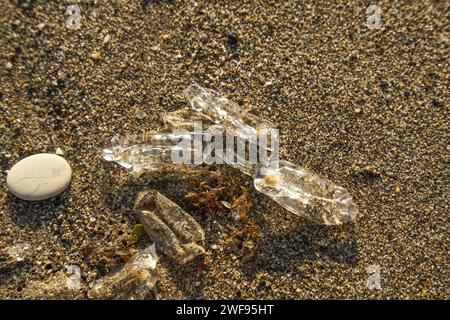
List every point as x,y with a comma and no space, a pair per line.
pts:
153,152
224,112
150,151
305,193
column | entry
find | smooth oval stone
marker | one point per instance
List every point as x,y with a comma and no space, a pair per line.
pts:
38,177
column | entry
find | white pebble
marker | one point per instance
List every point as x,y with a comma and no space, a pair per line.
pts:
38,177
59,152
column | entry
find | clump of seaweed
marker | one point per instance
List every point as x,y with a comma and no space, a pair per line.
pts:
222,193
119,251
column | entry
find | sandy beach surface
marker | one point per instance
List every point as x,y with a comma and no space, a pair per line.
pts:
366,108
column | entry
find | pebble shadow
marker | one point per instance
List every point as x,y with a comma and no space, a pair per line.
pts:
33,214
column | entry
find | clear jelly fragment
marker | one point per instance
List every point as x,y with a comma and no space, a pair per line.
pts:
184,118
224,112
133,281
305,193
173,230
149,151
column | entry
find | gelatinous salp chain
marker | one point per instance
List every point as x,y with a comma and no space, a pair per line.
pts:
295,188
